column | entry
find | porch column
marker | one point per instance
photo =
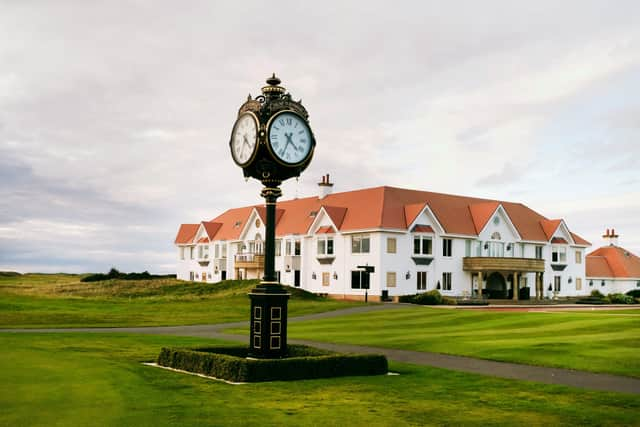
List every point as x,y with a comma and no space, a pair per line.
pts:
537,285
480,284
516,286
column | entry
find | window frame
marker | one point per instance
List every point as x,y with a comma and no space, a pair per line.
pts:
360,274
557,253
392,248
392,279
326,242
421,280
447,280
447,247
422,239
360,239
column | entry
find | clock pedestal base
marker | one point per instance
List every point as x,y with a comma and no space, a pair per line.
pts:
268,330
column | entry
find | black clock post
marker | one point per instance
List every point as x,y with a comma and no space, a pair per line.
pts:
272,144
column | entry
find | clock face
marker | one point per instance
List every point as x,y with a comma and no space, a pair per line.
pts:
244,138
290,139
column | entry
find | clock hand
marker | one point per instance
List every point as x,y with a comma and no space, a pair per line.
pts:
290,141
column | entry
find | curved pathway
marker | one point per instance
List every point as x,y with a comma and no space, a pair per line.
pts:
568,377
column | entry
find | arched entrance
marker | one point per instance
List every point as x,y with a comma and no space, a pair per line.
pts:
496,286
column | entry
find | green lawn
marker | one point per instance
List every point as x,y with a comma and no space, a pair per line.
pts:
97,379
591,341
60,300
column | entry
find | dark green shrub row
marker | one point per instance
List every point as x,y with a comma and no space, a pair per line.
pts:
472,302
428,298
620,299
634,293
115,274
591,300
9,274
230,363
597,297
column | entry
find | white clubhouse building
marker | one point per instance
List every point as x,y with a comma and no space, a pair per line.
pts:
415,241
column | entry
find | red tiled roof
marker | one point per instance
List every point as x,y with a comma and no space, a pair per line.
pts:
579,240
392,208
211,228
262,213
480,214
613,261
186,233
422,229
559,240
203,240
327,229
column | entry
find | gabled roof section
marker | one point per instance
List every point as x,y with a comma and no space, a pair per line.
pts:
549,227
262,213
422,229
325,229
203,240
336,213
481,213
233,222
186,233
579,240
559,240
621,263
211,228
412,211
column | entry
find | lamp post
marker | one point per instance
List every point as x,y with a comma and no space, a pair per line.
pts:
271,141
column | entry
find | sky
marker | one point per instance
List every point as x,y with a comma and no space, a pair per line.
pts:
115,116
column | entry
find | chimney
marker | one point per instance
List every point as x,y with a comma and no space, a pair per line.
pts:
611,237
325,187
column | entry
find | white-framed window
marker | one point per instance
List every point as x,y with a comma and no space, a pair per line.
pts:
538,252
278,247
421,280
359,279
360,244
325,246
422,245
181,252
224,250
446,281
559,254
287,247
192,252
391,245
203,251
296,247
496,249
391,279
446,247
578,257
216,251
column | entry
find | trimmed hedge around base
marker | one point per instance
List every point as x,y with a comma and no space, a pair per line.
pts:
232,364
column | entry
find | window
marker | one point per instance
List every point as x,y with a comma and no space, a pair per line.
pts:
578,284
422,245
538,252
224,250
203,252
446,281
278,247
216,251
325,246
557,280
296,247
360,244
287,250
467,248
578,257
391,279
181,252
325,278
192,252
559,254
496,249
421,280
391,245
359,279
446,247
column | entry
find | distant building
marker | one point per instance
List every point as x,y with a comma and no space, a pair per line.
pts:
612,269
415,241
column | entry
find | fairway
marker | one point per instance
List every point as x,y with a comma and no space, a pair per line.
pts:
61,300
85,379
592,341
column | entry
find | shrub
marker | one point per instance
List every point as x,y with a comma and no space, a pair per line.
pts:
596,293
115,274
634,293
230,363
620,299
427,298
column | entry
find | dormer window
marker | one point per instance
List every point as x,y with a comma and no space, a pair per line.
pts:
325,246
559,254
422,245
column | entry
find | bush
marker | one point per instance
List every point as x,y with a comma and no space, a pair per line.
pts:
230,363
115,274
427,298
591,300
634,293
596,293
620,299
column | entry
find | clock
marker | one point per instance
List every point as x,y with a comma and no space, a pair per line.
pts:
244,138
289,138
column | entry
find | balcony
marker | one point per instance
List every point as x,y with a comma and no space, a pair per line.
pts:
502,264
249,261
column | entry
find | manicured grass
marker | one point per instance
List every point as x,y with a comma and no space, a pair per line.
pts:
96,379
61,300
591,341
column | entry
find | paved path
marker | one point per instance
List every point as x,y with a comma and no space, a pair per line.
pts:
568,377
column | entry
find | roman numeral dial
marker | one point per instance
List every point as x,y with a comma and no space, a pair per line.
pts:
244,139
290,139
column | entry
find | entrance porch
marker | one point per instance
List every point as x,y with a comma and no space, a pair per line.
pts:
503,276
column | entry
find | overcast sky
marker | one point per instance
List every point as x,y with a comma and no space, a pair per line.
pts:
115,116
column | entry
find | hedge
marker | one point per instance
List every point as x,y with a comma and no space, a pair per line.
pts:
115,274
432,297
303,362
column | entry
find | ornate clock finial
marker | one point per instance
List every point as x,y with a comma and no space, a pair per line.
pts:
273,80
274,89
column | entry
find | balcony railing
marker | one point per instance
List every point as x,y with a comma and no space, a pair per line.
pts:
502,264
249,260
